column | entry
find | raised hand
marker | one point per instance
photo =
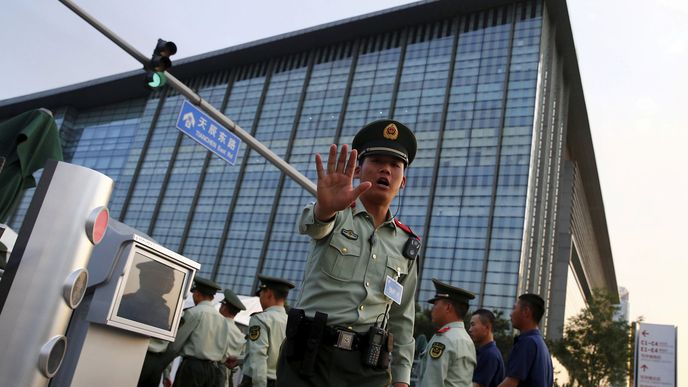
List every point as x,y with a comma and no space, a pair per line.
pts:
335,188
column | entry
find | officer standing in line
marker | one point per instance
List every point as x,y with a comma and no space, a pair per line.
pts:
230,307
203,340
266,332
449,358
362,258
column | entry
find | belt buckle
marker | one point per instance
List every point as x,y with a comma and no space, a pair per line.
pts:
345,340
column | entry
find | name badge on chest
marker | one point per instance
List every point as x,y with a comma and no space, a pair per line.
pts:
393,290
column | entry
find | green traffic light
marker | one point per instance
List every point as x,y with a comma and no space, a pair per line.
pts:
157,79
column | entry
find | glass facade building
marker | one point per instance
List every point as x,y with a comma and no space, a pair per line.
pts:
503,190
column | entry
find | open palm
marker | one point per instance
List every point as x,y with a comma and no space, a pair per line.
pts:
335,188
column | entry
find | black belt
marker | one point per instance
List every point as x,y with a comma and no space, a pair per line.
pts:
202,360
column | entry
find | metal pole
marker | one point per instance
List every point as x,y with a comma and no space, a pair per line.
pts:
209,109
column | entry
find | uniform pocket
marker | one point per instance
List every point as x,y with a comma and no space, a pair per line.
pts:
344,255
397,267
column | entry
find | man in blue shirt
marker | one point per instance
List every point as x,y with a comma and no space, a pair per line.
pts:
489,371
529,361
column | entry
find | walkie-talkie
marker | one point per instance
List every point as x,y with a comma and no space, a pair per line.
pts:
376,338
386,355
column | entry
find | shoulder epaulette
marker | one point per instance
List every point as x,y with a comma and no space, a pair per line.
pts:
406,228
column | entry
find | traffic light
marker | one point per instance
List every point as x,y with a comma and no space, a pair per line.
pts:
159,62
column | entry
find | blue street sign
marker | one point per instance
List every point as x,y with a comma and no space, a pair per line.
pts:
208,133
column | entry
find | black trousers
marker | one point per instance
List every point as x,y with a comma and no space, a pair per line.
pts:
199,373
153,366
333,368
246,381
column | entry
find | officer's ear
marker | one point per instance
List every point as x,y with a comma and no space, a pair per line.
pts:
357,171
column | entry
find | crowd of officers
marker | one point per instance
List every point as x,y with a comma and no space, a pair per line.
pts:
352,324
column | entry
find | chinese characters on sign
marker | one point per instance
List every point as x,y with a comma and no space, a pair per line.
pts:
208,133
655,355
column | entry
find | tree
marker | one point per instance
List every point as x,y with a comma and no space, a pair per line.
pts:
423,324
503,334
594,348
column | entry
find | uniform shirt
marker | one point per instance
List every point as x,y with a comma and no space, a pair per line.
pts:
237,340
346,272
204,334
448,359
489,371
157,345
266,331
529,360
237,345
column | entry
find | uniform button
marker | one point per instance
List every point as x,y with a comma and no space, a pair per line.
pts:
361,307
350,328
344,250
398,270
374,256
367,283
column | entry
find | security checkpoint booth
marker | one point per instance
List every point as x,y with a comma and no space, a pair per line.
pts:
82,294
135,291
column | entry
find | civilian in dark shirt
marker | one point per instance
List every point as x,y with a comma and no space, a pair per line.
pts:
489,371
529,361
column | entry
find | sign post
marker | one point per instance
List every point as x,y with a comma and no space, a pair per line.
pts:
202,104
207,132
655,355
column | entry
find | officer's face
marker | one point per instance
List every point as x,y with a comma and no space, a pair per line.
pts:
478,330
196,296
439,312
264,296
386,173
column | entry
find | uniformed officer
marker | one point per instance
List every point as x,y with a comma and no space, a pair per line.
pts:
449,358
266,332
203,340
230,307
359,253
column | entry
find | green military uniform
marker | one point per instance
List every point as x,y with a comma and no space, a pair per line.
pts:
203,340
345,278
449,358
266,332
237,339
237,345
